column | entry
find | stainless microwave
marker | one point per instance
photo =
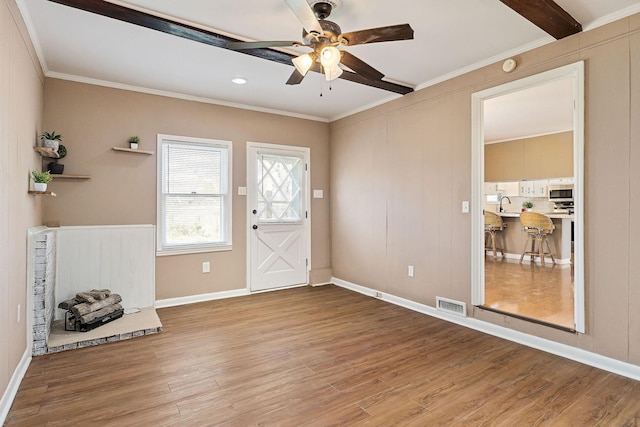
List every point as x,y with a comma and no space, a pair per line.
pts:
561,193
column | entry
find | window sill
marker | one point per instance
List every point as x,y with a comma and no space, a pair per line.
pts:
187,251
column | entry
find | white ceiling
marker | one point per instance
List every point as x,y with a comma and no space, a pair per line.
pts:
451,37
539,110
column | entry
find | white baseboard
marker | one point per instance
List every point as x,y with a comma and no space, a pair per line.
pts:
192,299
12,388
527,258
314,285
588,358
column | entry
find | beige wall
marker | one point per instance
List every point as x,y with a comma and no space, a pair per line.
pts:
21,92
399,173
122,190
540,157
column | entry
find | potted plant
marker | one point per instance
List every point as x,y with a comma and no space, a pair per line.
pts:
527,205
40,180
133,142
54,166
51,140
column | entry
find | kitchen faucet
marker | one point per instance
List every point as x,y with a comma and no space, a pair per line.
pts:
501,199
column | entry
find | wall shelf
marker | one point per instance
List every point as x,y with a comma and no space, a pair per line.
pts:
47,152
129,150
56,176
42,193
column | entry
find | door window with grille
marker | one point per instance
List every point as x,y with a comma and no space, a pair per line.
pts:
278,189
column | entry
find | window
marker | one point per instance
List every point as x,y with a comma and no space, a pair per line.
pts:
194,204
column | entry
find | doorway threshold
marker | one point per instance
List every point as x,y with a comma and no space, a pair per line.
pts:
528,319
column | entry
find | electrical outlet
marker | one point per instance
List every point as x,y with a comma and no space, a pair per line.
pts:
19,312
410,271
206,267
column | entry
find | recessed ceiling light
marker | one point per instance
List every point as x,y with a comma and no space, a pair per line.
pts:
239,80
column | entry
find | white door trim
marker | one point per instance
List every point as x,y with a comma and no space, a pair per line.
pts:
306,154
575,71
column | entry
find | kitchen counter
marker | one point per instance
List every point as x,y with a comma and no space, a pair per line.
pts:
551,215
561,237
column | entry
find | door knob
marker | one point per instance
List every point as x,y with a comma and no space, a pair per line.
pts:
255,227
254,211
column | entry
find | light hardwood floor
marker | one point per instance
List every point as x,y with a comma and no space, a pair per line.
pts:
318,357
530,290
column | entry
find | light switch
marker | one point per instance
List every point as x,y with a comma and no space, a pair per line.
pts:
242,191
465,206
318,194
206,267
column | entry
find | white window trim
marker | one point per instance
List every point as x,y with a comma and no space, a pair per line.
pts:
199,248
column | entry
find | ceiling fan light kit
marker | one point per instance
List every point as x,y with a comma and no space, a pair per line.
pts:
324,37
332,73
303,63
330,56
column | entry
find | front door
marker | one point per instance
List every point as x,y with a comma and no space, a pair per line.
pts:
278,218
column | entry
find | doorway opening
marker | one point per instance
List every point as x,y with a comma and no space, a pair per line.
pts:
528,141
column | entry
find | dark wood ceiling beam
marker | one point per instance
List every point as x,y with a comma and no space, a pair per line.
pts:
547,15
200,35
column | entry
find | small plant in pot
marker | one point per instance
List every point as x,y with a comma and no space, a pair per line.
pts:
133,142
527,205
40,180
51,140
54,166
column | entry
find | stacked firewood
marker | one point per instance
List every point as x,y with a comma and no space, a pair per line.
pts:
88,310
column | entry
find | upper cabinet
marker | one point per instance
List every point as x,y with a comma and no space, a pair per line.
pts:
530,158
533,188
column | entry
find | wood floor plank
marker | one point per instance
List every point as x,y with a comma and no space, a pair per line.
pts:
316,357
531,290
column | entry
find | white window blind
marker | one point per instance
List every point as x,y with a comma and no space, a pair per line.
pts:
194,207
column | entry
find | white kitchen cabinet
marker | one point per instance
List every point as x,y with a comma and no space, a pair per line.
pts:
511,189
540,188
561,181
533,188
493,187
502,188
526,189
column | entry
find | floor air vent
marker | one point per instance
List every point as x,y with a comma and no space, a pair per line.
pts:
450,306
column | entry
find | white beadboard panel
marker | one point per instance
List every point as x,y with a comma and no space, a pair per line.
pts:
117,257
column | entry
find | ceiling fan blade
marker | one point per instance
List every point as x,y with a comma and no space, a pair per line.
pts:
376,35
295,78
360,67
261,45
305,15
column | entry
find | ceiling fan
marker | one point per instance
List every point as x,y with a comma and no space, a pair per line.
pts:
325,37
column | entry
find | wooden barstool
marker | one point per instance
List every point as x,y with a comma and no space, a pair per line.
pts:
537,226
493,226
